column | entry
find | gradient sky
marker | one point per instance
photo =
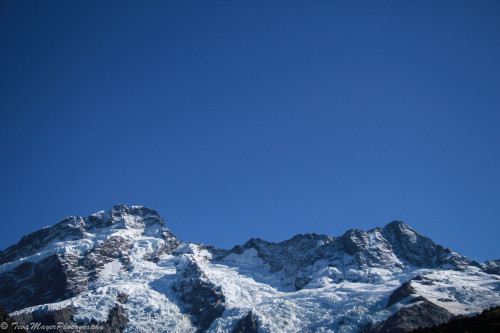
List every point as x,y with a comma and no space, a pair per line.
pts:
240,119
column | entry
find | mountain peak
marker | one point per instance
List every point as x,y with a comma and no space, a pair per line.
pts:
132,217
74,228
401,232
397,224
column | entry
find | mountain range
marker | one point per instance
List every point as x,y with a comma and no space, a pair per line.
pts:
123,270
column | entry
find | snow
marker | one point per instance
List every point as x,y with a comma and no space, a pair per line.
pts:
467,292
339,298
110,269
324,306
58,246
249,257
152,304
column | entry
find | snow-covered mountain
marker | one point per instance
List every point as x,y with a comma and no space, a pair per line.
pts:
125,271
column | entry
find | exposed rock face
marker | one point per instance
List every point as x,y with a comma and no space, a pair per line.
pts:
124,270
34,283
203,299
357,243
247,325
115,247
46,318
420,250
8,323
116,320
61,274
122,298
401,293
486,322
294,257
422,279
492,266
424,314
393,247
68,229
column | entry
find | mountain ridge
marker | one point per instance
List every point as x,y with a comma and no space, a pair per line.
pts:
77,227
129,251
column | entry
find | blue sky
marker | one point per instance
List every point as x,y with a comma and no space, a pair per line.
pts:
254,119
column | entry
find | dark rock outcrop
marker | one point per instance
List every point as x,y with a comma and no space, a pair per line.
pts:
116,320
392,247
70,228
425,314
417,299
400,293
59,276
122,298
171,243
7,324
62,320
247,325
486,322
115,247
34,283
39,321
419,250
203,300
492,266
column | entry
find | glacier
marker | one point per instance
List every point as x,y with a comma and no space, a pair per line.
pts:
125,262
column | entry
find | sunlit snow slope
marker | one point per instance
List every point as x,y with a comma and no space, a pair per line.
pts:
125,269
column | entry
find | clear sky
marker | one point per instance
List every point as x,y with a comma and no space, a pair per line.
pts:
240,119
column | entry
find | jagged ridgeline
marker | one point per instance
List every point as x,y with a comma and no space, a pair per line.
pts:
124,270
